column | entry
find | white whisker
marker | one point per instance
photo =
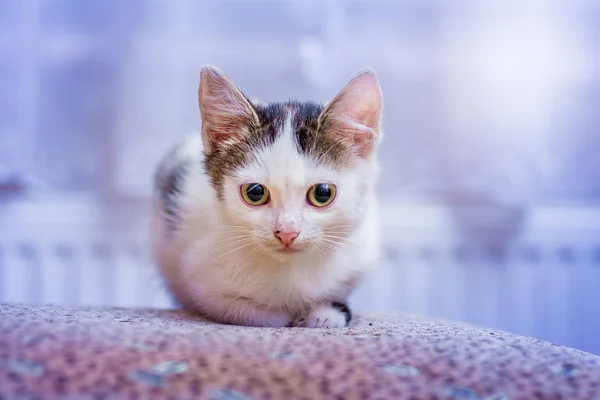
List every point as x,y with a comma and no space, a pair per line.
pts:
253,249
227,244
246,239
234,228
237,230
330,247
338,226
335,236
335,242
319,251
229,252
231,238
334,246
340,240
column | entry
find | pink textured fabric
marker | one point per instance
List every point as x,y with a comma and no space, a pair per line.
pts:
49,353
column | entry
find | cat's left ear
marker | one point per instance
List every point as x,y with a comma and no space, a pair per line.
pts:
354,115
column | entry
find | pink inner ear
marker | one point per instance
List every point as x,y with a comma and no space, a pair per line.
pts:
355,113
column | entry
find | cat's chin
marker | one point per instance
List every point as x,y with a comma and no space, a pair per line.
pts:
289,250
285,252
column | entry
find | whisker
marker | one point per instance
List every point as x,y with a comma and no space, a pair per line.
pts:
234,228
253,249
335,242
340,240
338,226
231,238
335,236
229,252
245,239
334,248
319,251
230,243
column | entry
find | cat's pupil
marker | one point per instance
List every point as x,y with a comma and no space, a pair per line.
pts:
322,193
255,192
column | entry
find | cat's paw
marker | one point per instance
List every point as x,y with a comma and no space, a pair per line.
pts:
324,316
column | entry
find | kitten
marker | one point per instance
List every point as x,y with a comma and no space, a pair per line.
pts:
269,217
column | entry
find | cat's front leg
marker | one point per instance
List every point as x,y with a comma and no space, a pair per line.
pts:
244,312
329,315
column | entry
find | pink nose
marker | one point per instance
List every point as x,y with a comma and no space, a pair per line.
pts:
286,237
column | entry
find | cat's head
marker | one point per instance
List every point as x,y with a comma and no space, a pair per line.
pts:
292,177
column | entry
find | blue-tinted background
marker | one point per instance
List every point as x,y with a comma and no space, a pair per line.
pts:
491,176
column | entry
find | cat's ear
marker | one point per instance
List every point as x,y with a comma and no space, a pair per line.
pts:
227,116
353,116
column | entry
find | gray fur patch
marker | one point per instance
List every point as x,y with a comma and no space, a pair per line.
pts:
168,183
311,140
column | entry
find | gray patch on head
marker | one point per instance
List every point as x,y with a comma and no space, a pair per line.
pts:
311,139
223,161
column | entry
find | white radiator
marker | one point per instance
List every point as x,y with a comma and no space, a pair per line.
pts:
541,280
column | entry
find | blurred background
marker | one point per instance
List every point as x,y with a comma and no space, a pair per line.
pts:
490,183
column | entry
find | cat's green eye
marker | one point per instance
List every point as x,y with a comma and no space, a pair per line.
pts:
321,194
255,194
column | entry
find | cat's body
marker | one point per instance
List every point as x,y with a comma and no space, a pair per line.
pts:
269,217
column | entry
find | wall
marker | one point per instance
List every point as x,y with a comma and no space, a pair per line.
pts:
490,175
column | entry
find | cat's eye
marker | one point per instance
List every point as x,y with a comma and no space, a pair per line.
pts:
321,194
255,194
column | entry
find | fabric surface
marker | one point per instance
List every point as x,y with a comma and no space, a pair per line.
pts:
48,352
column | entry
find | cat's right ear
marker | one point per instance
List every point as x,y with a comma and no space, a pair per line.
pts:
227,116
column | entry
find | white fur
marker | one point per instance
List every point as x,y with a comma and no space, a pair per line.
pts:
322,316
223,259
256,285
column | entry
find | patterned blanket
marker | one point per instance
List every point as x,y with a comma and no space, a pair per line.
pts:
52,352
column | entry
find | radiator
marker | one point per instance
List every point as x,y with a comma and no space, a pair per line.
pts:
541,280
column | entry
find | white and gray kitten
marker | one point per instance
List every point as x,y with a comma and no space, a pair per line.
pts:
269,217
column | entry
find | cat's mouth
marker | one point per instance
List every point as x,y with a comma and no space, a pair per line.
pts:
289,250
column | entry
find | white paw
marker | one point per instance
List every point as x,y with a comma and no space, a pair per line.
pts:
322,317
